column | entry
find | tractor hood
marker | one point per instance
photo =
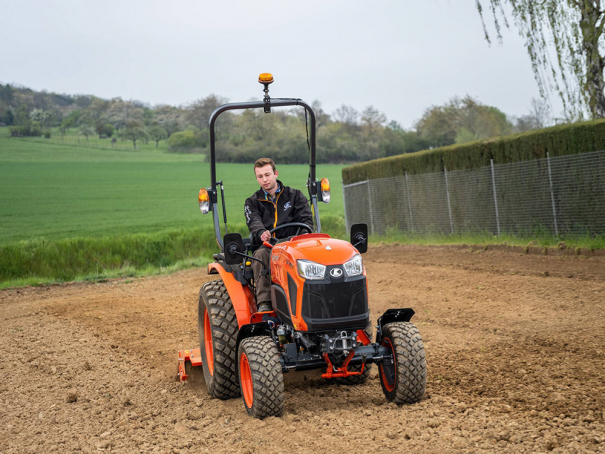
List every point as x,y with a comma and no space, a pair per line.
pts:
317,247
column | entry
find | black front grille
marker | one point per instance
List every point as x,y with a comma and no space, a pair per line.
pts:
338,303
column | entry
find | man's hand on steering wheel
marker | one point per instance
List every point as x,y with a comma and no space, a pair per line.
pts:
265,236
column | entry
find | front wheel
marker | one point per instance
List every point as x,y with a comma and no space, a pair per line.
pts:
261,378
403,380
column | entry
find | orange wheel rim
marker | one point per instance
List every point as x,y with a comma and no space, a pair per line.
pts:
389,369
245,377
208,343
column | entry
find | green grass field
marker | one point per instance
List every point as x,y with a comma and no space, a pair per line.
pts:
53,191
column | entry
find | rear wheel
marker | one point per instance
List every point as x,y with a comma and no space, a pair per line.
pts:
261,378
404,379
218,328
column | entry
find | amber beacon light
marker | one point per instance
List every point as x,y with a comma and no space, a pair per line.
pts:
265,78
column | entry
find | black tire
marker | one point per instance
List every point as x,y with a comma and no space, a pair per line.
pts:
404,381
357,379
261,378
218,363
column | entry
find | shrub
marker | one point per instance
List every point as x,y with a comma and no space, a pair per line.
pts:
189,140
27,129
16,131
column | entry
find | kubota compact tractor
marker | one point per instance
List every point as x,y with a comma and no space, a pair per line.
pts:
320,315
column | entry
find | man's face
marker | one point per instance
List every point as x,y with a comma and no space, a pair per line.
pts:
266,178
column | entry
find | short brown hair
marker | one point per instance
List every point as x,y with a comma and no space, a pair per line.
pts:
262,162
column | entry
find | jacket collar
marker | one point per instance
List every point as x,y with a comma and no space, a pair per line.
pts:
264,195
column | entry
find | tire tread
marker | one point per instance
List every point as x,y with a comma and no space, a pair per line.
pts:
411,372
267,377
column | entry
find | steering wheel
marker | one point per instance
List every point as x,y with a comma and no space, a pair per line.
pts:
300,225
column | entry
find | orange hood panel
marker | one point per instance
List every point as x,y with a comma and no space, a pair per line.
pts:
318,248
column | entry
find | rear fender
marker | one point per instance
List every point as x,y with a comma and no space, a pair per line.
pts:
393,315
241,295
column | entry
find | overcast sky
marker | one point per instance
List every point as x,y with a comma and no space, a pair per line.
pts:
400,56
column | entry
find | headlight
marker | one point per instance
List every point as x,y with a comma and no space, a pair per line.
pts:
310,270
354,267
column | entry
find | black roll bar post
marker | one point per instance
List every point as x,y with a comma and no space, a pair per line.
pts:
274,102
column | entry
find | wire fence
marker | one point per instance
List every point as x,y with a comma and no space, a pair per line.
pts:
562,195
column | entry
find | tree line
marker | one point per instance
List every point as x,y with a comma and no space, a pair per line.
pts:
345,135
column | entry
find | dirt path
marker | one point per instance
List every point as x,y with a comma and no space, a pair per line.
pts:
515,351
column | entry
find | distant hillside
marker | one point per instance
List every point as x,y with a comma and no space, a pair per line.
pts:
344,136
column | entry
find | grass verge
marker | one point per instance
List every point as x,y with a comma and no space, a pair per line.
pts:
530,239
44,262
41,261
124,272
112,256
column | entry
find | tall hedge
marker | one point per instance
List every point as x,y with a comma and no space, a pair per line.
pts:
558,141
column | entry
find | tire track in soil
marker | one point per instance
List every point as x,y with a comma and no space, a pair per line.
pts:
515,350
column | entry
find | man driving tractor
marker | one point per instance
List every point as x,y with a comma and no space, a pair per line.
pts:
314,305
274,204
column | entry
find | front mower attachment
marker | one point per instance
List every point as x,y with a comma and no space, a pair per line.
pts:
193,356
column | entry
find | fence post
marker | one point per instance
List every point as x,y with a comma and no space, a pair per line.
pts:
370,206
552,195
449,207
495,198
344,203
407,190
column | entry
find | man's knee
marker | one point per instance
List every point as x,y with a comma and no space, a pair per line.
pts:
263,255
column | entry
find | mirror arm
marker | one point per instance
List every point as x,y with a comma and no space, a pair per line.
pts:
359,242
234,252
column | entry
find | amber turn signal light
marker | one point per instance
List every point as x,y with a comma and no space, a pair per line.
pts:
325,190
204,199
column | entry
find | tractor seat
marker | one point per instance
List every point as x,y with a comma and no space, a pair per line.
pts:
251,243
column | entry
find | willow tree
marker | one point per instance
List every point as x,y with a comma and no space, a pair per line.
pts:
565,42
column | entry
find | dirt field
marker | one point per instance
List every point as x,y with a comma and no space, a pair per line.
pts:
515,351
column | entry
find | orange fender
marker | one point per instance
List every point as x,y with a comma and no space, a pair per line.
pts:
241,296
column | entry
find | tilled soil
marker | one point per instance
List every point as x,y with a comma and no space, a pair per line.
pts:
515,349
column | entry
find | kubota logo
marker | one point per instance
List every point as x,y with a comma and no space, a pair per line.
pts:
336,272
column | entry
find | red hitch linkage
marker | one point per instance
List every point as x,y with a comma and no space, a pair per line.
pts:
341,371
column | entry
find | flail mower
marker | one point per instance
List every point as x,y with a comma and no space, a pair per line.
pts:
320,317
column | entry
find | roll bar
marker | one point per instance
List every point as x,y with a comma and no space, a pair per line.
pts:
266,104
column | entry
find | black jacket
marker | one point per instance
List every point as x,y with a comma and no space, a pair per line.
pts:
290,206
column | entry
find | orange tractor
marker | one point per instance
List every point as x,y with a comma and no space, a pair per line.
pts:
320,317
